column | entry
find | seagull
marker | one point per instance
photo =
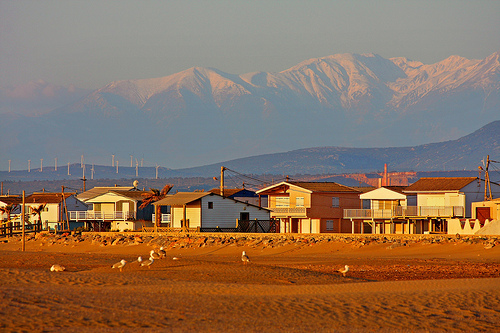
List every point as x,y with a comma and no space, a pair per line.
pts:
244,257
162,252
148,262
57,268
175,258
119,264
344,270
154,255
139,260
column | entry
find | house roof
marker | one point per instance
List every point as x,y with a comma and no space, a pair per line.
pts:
181,198
94,192
440,184
384,193
184,198
132,195
232,192
11,200
313,187
364,189
46,198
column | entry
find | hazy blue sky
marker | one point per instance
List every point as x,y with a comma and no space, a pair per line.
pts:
91,43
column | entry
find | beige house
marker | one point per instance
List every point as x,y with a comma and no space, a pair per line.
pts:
312,207
56,207
205,210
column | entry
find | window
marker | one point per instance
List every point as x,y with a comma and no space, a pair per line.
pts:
299,202
210,205
329,225
282,202
335,202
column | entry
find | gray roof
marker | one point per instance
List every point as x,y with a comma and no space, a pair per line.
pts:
181,198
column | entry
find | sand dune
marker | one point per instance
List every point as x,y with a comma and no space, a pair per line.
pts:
292,289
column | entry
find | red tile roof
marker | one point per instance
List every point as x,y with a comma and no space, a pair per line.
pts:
324,187
42,198
10,200
440,184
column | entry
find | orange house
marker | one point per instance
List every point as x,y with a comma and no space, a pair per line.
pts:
312,207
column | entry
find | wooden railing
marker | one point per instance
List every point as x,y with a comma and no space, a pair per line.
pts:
405,211
100,216
168,229
165,218
16,228
288,211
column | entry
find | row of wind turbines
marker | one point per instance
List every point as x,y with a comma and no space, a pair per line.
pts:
114,163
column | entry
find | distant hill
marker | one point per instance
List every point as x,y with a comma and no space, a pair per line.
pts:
203,115
465,153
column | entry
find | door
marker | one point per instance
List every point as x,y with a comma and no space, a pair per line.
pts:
483,214
295,225
244,216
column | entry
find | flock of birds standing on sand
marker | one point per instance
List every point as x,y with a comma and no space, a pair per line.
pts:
153,255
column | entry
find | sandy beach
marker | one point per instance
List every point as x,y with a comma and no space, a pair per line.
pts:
293,288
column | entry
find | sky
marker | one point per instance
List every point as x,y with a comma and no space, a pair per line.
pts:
92,43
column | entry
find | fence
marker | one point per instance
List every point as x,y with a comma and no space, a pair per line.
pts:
11,228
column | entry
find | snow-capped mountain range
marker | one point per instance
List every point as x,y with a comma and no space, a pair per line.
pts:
203,115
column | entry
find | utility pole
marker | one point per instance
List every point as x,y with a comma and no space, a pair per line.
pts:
222,169
84,179
23,213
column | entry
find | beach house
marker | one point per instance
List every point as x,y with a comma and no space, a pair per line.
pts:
312,207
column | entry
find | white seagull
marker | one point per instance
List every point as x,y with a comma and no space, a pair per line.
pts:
119,264
139,260
344,270
245,258
154,255
162,252
57,268
148,262
175,258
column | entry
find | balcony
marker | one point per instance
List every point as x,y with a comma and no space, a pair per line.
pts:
165,218
100,216
288,211
405,212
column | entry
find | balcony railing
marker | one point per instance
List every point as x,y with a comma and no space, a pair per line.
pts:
101,216
288,211
405,211
165,218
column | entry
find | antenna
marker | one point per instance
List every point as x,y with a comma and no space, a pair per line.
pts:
81,161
